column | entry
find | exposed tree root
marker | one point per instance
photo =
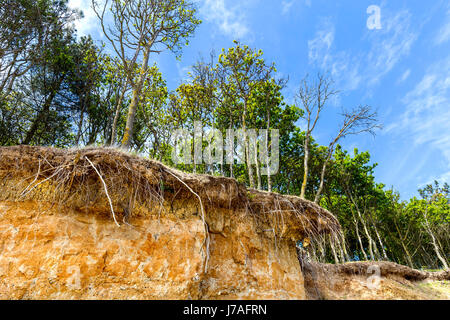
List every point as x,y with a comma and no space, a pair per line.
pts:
106,191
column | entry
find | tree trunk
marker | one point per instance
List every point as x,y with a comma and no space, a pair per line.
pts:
80,127
408,255
41,115
247,151
366,231
369,238
80,123
258,172
128,134
344,247
117,114
359,237
305,165
269,179
435,245
385,257
322,178
231,147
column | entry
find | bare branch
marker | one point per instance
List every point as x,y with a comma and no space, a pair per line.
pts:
359,120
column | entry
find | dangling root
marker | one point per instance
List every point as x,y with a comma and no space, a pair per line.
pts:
106,191
207,238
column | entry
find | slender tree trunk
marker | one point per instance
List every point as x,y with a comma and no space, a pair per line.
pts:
344,246
10,76
269,179
322,178
366,231
435,245
247,151
258,172
408,255
359,237
80,123
249,166
42,115
269,176
231,171
369,238
80,127
117,113
231,147
305,165
129,129
385,257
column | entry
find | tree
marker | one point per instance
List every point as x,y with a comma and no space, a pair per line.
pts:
34,37
313,97
435,209
49,75
268,110
240,71
351,195
140,28
195,104
152,118
27,28
121,82
86,78
360,120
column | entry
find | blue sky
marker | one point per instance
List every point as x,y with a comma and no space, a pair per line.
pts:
402,69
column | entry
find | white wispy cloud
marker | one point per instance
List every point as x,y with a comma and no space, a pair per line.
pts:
343,67
319,48
353,69
286,6
443,34
392,43
228,20
404,76
426,119
89,22
427,115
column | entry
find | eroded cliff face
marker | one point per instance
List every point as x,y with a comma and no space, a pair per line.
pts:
52,252
187,237
102,224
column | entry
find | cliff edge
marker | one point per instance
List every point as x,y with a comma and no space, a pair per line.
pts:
99,223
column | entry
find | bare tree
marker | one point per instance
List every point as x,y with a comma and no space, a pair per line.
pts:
313,97
357,121
139,28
